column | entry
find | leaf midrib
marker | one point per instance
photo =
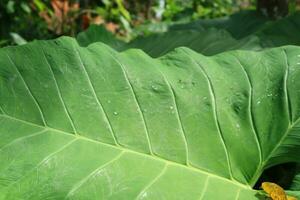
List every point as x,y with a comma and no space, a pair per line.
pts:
152,156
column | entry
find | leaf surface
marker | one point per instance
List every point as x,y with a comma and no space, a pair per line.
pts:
92,123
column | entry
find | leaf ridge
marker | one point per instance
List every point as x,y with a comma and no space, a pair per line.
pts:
286,92
97,99
252,121
212,94
291,123
59,93
28,89
136,101
178,116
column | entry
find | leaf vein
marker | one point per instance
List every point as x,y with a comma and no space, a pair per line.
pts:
28,89
160,174
42,162
23,138
137,102
204,188
60,94
169,162
238,194
214,104
286,91
178,116
97,99
252,121
86,178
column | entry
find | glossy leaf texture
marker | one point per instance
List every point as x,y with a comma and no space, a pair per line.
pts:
92,123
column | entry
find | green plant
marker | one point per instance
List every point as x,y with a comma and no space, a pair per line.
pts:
209,37
91,123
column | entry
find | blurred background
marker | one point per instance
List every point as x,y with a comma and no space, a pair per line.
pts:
25,20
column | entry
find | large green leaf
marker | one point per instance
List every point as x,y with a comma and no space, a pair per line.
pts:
207,42
239,25
245,23
245,30
91,123
98,34
248,24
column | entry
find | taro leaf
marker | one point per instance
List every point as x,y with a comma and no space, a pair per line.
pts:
282,32
245,30
245,23
240,24
91,123
249,24
207,42
98,34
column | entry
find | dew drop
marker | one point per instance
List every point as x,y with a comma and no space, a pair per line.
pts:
258,102
115,113
108,101
153,87
171,107
237,125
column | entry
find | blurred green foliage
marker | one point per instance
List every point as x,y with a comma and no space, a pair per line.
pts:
45,19
19,17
